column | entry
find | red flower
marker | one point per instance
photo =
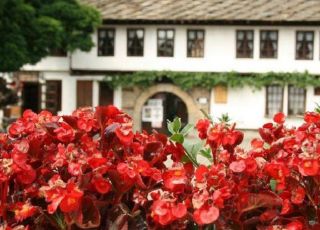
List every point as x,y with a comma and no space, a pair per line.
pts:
279,118
16,128
175,180
309,167
23,211
311,117
27,175
202,127
251,165
74,169
66,196
277,171
295,225
101,185
201,173
165,212
206,215
72,198
297,195
238,166
125,135
65,133
286,207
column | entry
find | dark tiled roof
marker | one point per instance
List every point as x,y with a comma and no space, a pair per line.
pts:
209,10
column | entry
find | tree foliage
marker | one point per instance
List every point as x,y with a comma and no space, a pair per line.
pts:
188,80
31,29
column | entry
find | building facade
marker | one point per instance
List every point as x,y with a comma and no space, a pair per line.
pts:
211,37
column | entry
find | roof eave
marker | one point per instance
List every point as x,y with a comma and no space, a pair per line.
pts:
210,22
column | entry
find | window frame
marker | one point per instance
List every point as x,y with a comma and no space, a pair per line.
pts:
57,94
237,40
304,103
188,39
166,39
143,41
114,41
296,44
267,114
277,43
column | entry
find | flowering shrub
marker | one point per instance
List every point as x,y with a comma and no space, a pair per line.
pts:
91,171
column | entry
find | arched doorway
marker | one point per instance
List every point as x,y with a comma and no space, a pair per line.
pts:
193,110
170,105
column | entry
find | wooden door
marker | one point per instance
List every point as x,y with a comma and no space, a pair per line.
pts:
105,94
53,96
31,96
84,93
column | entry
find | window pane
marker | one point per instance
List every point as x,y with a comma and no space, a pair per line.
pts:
309,36
304,45
268,44
274,99
162,34
170,34
195,44
200,34
296,100
240,35
135,42
249,35
165,43
106,42
244,44
191,35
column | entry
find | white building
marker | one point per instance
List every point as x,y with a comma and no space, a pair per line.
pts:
243,36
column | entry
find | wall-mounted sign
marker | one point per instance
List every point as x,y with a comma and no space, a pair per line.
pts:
153,112
203,100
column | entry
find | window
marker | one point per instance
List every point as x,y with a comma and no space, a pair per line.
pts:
317,91
195,43
106,42
165,42
268,44
304,45
274,99
58,52
53,96
135,42
244,43
296,100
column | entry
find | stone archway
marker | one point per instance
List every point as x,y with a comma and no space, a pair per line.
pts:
193,111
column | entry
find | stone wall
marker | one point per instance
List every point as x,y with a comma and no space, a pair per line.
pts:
134,98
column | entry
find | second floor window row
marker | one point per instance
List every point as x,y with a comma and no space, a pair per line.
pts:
304,43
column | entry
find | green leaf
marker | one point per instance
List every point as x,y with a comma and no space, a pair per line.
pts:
193,148
207,154
177,137
273,184
186,130
185,159
170,126
176,124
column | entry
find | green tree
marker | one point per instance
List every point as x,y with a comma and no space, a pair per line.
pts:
31,29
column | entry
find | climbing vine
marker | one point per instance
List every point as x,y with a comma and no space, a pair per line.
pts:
188,80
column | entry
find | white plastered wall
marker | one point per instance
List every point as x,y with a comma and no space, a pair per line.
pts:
246,107
69,89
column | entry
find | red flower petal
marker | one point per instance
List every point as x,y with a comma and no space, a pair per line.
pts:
206,215
238,166
179,210
102,185
279,118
